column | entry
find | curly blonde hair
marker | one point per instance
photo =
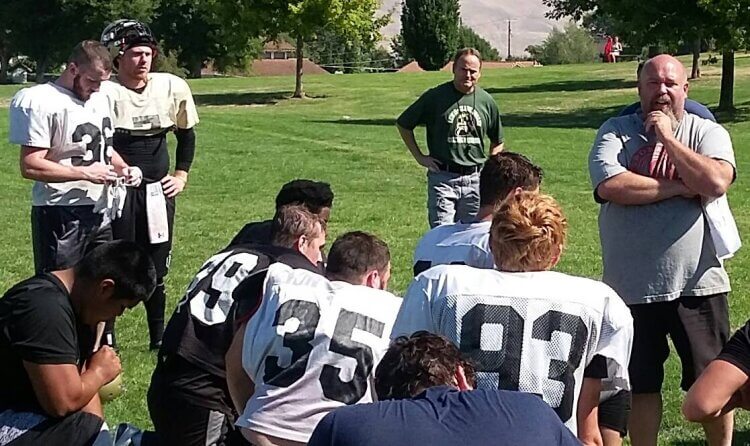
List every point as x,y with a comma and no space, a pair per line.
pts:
527,233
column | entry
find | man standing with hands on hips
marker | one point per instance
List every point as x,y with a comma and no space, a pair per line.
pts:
654,173
458,116
147,106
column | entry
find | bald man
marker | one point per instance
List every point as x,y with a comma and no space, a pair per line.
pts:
651,172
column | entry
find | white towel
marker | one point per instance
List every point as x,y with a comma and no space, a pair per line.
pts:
722,227
156,214
112,201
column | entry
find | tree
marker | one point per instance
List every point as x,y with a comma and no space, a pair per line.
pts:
731,24
572,45
196,31
335,52
430,31
46,30
468,38
303,19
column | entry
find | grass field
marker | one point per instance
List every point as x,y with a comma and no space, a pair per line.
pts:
252,139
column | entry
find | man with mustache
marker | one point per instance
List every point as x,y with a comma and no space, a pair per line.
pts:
64,128
651,172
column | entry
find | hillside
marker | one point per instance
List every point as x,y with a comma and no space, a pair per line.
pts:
489,19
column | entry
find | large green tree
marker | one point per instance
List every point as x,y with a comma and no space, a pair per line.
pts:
468,38
46,30
196,31
304,19
430,31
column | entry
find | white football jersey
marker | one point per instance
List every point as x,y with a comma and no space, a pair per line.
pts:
455,244
74,132
532,332
165,102
311,347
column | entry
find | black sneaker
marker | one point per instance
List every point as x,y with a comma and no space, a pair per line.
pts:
153,346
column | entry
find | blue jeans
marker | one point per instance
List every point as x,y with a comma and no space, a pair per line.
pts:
451,197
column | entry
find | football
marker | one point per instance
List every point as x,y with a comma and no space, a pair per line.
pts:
111,390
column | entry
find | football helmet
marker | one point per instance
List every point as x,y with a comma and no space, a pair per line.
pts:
122,34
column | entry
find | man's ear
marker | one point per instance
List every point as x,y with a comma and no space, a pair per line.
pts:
301,243
107,288
373,279
557,256
461,382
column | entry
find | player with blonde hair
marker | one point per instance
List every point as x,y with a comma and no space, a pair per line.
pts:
525,327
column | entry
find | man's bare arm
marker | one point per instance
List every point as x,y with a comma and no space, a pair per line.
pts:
628,188
716,392
35,166
241,387
588,412
411,143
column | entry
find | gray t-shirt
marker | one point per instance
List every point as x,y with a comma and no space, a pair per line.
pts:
656,252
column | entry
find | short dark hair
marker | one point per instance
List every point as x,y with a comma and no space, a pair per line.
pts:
467,52
504,172
292,222
89,52
313,194
414,364
354,254
127,264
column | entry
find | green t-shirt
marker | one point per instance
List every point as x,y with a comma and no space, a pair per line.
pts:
457,123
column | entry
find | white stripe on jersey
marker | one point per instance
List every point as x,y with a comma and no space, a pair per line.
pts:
311,347
533,332
457,244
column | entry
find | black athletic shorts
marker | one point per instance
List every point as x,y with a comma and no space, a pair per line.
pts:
698,327
133,226
78,429
615,411
62,235
178,421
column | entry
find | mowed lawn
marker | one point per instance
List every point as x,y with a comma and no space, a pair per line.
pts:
252,139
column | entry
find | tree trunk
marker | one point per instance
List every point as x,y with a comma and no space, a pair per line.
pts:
298,91
41,67
195,69
4,62
726,98
696,71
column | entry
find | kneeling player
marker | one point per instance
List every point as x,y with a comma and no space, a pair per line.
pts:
468,243
313,342
724,384
426,395
188,398
49,380
528,328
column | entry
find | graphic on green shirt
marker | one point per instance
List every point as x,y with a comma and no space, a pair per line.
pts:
457,124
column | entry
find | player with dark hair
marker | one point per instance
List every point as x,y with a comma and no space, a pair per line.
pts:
528,328
188,397
335,329
458,115
315,195
64,129
467,242
50,374
425,388
147,106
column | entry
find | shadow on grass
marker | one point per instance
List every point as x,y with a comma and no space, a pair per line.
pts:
741,113
238,98
582,85
583,118
591,118
390,122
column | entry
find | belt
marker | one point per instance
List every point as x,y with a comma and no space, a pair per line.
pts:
461,170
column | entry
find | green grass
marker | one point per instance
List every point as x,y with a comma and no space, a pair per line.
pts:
252,139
